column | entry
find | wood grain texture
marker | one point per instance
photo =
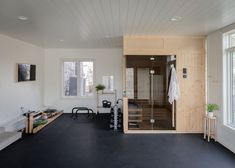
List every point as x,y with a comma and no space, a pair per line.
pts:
190,54
125,115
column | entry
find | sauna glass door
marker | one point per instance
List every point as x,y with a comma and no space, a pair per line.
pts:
146,88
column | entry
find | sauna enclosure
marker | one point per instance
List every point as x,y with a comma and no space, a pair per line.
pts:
146,109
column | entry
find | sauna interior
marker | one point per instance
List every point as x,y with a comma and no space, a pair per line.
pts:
147,82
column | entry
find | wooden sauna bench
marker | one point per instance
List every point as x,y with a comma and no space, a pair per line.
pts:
134,115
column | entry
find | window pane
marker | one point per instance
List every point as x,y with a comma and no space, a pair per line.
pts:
232,40
232,115
70,78
86,78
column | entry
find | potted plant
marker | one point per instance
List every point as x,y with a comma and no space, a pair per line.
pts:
211,108
99,87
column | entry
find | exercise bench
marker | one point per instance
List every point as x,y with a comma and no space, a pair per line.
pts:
75,111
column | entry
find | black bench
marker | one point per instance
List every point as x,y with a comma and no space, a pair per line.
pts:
75,110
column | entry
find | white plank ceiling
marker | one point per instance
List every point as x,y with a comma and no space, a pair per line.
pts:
103,23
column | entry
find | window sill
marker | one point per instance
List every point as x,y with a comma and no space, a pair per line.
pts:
77,97
229,128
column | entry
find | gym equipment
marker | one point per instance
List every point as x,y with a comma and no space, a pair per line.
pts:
90,112
116,116
106,104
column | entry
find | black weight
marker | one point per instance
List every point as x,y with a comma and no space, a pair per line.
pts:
119,126
119,117
119,121
111,126
108,104
112,110
111,121
104,103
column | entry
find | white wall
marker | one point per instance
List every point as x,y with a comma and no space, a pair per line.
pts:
14,95
107,62
225,135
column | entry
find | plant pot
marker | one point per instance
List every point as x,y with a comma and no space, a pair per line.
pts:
210,114
100,91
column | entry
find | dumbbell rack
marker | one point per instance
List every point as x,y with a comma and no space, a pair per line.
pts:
105,95
116,117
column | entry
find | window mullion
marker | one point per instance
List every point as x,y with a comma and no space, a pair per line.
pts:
232,111
230,88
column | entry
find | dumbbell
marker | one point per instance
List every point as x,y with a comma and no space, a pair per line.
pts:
119,121
112,114
119,126
119,113
119,117
111,110
112,121
111,126
108,104
104,103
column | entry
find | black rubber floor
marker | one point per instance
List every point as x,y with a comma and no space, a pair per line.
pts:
85,143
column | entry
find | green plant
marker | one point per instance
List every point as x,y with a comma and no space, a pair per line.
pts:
212,107
99,87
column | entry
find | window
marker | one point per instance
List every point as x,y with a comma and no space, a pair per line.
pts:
229,79
78,78
232,40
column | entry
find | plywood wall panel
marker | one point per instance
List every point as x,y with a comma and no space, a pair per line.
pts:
148,43
182,43
149,51
190,53
191,106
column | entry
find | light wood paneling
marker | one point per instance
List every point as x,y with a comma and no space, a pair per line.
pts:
190,54
125,115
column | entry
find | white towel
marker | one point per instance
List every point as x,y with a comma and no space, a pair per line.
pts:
174,90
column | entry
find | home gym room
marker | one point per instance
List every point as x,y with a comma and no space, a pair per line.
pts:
117,83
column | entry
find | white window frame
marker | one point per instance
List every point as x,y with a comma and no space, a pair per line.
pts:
227,79
78,60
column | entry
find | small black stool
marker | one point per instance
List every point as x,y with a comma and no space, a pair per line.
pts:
90,112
